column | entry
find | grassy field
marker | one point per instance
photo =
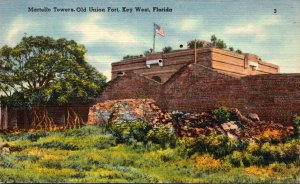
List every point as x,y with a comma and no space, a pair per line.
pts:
90,154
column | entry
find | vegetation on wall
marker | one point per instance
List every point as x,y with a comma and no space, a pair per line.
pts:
215,42
167,49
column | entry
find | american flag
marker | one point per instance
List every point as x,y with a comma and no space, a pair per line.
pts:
159,30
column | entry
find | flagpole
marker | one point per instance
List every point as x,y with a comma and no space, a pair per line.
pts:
153,37
195,47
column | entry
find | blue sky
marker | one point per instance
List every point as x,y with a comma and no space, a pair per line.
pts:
251,26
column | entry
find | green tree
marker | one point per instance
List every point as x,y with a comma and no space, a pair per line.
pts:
238,51
167,49
41,70
218,43
199,44
146,52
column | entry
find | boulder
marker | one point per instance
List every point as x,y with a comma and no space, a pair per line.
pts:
125,110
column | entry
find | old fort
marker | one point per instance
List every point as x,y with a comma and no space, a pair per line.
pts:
193,80
201,79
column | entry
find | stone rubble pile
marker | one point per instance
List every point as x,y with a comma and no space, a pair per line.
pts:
185,124
240,126
124,110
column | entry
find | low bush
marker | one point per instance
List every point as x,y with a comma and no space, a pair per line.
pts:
222,114
58,145
105,141
163,135
296,122
32,158
6,161
187,146
124,131
262,154
37,135
52,164
86,130
207,163
282,152
219,145
243,159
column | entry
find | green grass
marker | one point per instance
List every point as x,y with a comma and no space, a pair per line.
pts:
89,154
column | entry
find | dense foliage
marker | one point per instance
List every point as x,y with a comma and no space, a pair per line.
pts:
43,70
222,114
215,42
296,122
167,49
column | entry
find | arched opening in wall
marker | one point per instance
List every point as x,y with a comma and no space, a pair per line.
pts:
120,74
156,78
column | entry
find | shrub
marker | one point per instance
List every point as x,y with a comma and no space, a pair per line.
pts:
219,145
79,167
296,122
283,152
238,159
273,136
207,163
124,131
187,146
167,49
167,155
58,145
163,135
32,158
35,136
52,164
6,161
23,136
17,148
106,142
222,114
84,131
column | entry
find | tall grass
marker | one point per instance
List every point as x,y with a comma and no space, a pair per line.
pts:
91,154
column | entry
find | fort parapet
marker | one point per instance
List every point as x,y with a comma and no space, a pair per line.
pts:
162,66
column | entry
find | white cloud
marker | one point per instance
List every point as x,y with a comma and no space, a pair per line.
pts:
17,29
245,30
189,24
257,32
94,29
287,65
101,58
258,29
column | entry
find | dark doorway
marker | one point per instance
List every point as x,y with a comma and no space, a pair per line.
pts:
156,78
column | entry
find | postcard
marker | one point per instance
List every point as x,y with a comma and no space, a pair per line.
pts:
149,91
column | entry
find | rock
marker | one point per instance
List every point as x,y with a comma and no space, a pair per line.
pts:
230,126
5,148
185,123
230,135
253,116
